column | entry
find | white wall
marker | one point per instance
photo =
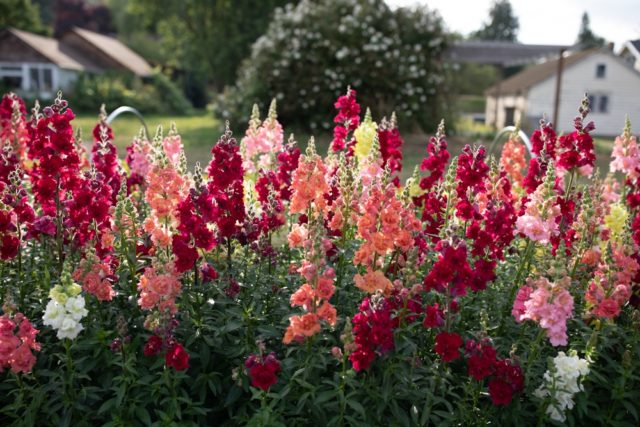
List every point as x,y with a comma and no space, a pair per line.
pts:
506,101
621,84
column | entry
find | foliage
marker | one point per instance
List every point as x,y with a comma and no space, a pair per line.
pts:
503,25
223,29
21,14
586,38
473,79
310,52
157,95
282,288
78,13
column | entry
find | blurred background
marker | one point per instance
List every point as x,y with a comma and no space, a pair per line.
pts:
480,65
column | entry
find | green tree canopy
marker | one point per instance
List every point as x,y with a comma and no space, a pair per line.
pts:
22,14
502,25
206,38
586,38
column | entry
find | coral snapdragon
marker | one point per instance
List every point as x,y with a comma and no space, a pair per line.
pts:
17,343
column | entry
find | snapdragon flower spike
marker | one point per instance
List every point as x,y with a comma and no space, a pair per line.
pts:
373,328
273,211
139,161
347,120
543,147
575,150
195,213
263,370
391,143
547,303
561,383
13,125
96,277
507,379
513,160
541,214
226,176
104,154
451,273
288,160
66,308
471,174
611,287
436,161
386,225
166,187
56,163
427,196
262,140
89,210
17,343
16,212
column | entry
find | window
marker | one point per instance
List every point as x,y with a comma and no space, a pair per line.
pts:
601,70
599,102
603,104
11,76
40,78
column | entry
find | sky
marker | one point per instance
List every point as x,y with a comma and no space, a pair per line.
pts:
544,21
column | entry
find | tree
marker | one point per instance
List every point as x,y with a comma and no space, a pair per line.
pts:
586,38
503,24
21,14
313,51
77,13
205,40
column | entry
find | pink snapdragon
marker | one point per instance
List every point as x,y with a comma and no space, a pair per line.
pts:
261,140
547,303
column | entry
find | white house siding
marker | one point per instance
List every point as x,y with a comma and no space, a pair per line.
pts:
518,102
621,84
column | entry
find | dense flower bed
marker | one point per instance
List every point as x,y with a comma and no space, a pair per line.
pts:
276,287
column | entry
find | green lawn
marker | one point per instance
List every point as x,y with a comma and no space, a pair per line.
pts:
201,130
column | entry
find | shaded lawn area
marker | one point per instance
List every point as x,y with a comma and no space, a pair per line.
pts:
201,130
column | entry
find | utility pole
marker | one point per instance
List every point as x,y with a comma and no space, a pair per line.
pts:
556,101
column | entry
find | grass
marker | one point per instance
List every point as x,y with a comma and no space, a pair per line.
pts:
201,130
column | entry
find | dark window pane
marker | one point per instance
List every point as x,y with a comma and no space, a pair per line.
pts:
47,83
601,70
592,102
11,82
604,104
34,78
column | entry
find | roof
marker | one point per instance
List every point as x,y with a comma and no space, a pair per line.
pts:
68,55
53,50
635,44
500,52
532,75
116,50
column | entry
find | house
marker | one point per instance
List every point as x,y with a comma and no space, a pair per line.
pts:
38,66
613,87
630,52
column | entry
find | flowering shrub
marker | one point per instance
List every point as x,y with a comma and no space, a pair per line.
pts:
276,287
313,49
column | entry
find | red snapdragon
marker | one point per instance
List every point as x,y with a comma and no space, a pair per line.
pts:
347,120
263,371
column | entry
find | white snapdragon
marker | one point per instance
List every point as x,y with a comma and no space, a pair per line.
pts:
66,308
561,383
